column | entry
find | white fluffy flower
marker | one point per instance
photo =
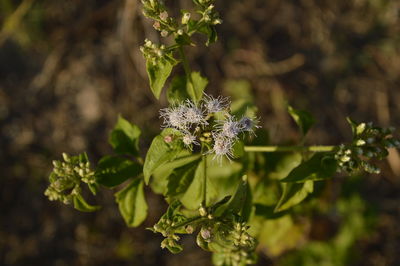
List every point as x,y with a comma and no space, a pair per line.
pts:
193,114
222,147
188,139
229,128
214,105
248,124
174,117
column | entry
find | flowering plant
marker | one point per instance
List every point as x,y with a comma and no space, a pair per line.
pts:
215,184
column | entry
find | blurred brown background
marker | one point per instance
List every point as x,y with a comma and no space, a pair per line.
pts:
67,68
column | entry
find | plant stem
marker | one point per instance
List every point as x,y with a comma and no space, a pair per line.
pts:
188,221
288,148
205,181
185,64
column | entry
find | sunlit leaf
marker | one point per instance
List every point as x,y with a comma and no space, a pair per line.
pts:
293,194
319,167
160,152
302,118
181,178
81,205
193,196
114,170
124,137
132,204
176,92
195,86
158,75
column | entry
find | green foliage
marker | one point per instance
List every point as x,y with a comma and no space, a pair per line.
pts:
193,196
339,249
66,179
368,142
81,205
302,118
196,85
319,167
112,171
158,74
181,178
175,94
124,138
163,148
293,194
216,187
132,203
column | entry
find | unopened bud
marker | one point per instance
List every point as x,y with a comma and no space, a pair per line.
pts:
168,139
360,142
189,229
65,157
185,18
203,211
217,21
157,25
164,33
360,128
164,15
205,234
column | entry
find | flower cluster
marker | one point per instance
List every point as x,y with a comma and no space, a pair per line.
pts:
156,53
67,176
208,124
368,142
230,242
167,25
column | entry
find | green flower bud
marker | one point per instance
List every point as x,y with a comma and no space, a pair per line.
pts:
185,18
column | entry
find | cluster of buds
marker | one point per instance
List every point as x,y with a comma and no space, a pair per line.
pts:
238,246
169,227
368,142
67,176
241,237
207,12
167,25
208,124
155,53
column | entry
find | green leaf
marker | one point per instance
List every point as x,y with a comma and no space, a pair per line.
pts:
93,188
220,203
319,167
175,248
114,170
158,154
177,93
211,34
195,86
268,211
181,178
158,75
353,124
238,149
203,244
293,194
183,39
193,196
159,182
173,208
81,205
302,118
237,202
132,204
124,137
